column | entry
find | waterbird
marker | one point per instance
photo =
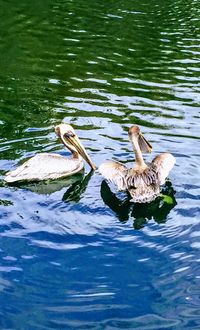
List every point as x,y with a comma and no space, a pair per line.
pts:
143,180
44,166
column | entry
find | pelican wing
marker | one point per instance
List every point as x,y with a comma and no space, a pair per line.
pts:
147,177
44,166
163,164
154,174
114,172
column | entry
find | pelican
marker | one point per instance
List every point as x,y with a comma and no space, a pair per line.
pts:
143,180
44,166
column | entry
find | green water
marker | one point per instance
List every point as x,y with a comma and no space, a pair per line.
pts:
74,253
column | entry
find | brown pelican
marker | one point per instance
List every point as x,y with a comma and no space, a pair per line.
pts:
143,180
46,166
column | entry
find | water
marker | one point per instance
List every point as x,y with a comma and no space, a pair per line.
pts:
74,254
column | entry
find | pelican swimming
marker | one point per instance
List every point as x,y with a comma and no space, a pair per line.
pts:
44,166
143,180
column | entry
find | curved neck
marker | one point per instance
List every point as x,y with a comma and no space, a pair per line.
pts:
75,154
138,154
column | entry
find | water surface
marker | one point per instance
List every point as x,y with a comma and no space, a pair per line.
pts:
74,253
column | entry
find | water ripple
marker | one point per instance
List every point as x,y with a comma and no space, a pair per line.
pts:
67,255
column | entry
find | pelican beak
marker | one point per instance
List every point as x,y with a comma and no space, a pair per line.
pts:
73,140
144,145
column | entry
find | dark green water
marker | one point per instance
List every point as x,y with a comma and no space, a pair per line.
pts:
73,255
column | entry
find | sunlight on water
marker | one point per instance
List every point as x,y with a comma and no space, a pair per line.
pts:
75,254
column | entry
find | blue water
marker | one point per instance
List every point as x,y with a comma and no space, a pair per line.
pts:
74,253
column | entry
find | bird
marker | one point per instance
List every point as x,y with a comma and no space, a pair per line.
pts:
45,166
142,181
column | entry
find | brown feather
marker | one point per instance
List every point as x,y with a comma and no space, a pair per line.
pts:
143,181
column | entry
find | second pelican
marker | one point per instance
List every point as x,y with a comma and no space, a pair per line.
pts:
46,166
143,180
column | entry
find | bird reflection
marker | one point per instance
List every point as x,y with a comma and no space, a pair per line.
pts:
76,190
49,187
141,213
75,184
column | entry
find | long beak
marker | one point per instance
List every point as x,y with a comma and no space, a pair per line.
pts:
76,143
144,145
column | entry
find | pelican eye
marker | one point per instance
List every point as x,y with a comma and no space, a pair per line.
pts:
69,134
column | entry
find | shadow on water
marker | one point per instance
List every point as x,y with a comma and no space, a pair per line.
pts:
66,261
47,187
76,184
76,189
141,213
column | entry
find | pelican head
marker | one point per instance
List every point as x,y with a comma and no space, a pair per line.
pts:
137,138
71,141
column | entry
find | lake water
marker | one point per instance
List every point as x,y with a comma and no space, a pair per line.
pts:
74,254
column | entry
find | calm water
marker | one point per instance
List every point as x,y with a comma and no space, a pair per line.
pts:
74,254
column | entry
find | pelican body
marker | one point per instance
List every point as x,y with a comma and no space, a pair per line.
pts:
46,166
143,180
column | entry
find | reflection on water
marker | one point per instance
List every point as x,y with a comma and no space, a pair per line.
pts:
5,202
141,213
75,191
49,187
66,261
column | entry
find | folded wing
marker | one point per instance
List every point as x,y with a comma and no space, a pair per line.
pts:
43,167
